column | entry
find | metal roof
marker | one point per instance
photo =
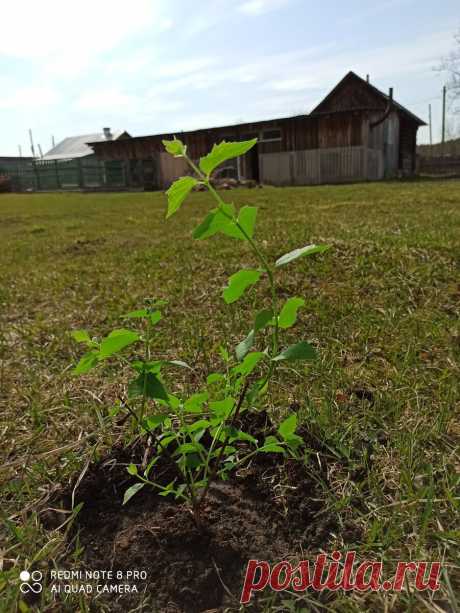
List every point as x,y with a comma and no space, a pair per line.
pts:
76,146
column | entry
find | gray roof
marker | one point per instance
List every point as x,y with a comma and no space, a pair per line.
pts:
76,147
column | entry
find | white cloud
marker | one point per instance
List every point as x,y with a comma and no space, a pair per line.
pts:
104,99
51,31
259,7
111,102
30,97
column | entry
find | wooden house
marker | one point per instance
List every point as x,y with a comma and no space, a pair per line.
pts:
356,133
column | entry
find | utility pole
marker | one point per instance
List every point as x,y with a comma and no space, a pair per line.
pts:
431,131
20,151
32,148
443,139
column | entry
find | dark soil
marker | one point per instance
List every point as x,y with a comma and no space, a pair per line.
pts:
271,510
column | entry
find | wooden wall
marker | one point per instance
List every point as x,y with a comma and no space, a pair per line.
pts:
317,166
346,130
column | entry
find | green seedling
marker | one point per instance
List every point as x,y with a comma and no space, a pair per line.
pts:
202,436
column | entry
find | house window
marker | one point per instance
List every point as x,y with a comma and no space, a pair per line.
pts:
269,136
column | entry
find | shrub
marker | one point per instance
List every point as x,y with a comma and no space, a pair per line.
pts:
201,436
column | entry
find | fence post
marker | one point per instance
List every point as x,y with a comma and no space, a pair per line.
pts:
128,178
37,175
56,171
80,173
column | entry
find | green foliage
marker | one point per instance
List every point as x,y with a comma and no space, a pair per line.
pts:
178,192
222,152
299,253
243,227
116,341
288,313
213,223
131,491
238,283
149,385
200,433
81,336
299,351
175,147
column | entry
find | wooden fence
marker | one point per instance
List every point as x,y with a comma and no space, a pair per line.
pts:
77,174
316,166
447,166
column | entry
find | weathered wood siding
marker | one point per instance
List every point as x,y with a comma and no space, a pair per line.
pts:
170,168
313,167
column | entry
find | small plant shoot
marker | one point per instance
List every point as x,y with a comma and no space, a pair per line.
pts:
202,436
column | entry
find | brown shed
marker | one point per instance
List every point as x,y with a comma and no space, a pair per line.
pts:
356,133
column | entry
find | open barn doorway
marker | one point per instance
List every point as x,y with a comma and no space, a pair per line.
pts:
253,164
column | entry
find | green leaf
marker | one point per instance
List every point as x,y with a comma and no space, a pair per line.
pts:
238,282
175,147
152,385
179,363
178,192
246,219
86,363
195,403
197,425
245,346
294,441
288,314
214,222
249,363
81,336
288,426
132,491
299,351
154,366
224,353
164,442
302,251
222,408
153,421
132,469
154,317
189,448
116,341
244,436
262,319
222,152
215,377
136,314
169,489
271,445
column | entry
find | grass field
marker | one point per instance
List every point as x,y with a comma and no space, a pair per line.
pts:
381,306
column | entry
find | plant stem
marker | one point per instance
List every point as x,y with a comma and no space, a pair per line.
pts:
259,255
147,357
214,470
180,474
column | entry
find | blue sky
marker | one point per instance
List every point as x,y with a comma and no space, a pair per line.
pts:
150,66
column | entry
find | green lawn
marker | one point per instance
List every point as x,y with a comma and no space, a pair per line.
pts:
381,306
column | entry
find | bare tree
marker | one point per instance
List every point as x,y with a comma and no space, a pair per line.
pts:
451,65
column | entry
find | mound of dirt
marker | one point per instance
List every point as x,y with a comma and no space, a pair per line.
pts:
271,510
